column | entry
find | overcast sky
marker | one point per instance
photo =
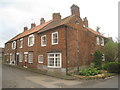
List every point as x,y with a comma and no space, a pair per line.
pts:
15,14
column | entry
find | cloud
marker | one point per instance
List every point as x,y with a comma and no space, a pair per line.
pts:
15,14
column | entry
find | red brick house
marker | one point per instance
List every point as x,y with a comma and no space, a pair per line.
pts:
58,45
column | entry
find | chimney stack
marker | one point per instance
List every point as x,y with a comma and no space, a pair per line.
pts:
33,25
42,21
75,10
56,16
25,28
85,22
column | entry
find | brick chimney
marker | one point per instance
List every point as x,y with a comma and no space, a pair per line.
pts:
75,10
33,25
56,16
25,28
85,22
42,21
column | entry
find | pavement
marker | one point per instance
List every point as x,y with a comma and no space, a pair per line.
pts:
18,78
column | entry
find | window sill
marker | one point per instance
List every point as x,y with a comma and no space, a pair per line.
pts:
43,45
53,67
40,62
54,43
30,45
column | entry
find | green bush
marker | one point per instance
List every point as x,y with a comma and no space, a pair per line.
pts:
97,59
112,67
89,72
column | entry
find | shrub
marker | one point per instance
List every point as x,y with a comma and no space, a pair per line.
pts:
89,72
97,59
112,67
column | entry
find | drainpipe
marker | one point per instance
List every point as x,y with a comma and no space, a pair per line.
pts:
66,49
77,46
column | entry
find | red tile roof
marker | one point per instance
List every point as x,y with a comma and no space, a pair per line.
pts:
91,30
57,23
49,25
30,31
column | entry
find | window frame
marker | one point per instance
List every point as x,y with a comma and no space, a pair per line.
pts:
21,43
29,61
42,40
39,59
20,57
14,45
103,58
102,41
97,40
32,35
54,61
52,38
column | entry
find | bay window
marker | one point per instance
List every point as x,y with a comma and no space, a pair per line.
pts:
54,60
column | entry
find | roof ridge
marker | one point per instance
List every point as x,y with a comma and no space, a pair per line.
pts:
30,31
55,24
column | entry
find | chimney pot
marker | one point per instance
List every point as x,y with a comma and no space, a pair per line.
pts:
56,16
42,21
85,22
75,10
25,28
33,25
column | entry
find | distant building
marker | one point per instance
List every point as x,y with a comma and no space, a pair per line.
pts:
58,45
1,53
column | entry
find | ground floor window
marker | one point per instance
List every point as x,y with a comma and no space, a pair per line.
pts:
20,57
12,58
30,57
40,59
54,60
103,57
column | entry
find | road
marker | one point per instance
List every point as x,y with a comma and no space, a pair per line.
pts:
17,78
0,74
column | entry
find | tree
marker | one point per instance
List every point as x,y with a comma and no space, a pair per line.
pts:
97,59
111,50
98,30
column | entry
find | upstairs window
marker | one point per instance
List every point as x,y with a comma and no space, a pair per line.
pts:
54,38
97,41
43,40
102,42
31,40
30,57
21,43
40,59
13,44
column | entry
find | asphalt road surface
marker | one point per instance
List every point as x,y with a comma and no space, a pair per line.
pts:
17,78
0,74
